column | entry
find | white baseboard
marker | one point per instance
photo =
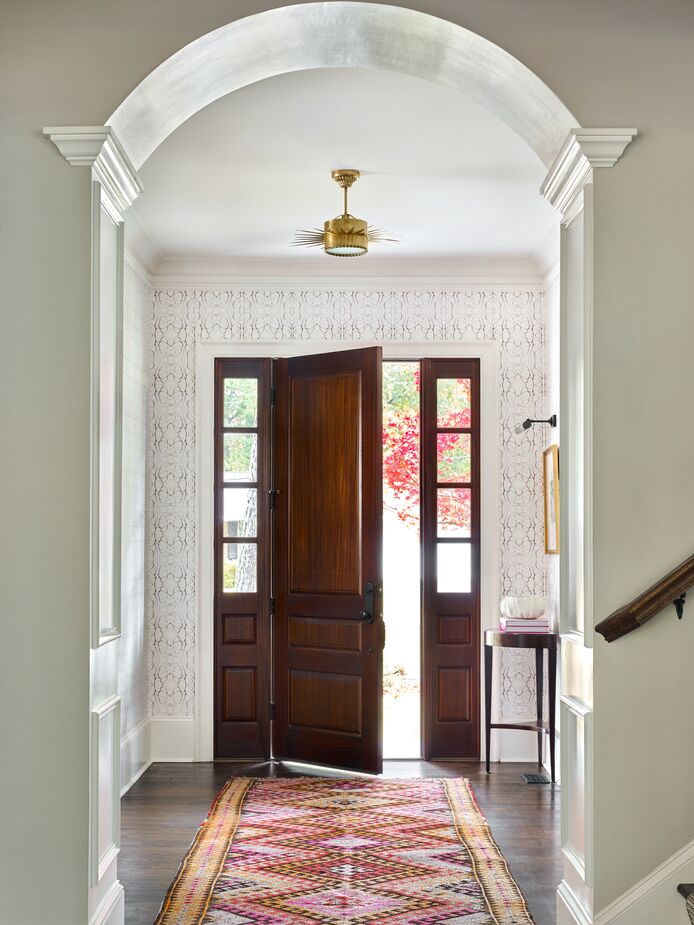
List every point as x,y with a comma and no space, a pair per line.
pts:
655,897
111,909
135,754
569,909
173,738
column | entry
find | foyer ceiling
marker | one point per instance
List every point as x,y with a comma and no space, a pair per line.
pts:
239,177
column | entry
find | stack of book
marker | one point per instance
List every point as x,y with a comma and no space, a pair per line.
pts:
517,625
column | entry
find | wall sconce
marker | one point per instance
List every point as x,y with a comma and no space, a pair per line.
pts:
528,423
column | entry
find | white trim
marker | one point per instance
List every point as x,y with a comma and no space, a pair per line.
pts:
309,281
553,275
173,738
573,166
111,909
136,265
99,864
588,547
321,271
140,240
668,870
100,635
583,865
135,754
97,146
206,352
570,911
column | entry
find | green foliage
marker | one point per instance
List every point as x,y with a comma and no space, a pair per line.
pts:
240,452
400,387
240,402
230,569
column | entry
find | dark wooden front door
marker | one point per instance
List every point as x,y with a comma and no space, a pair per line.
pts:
328,624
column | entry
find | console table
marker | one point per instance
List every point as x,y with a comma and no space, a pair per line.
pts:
539,642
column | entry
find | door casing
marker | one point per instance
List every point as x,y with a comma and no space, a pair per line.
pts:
206,353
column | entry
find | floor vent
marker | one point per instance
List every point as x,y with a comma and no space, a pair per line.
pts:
535,778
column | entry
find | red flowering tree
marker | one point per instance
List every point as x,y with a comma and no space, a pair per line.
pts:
401,446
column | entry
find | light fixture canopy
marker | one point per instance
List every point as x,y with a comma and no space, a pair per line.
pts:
345,235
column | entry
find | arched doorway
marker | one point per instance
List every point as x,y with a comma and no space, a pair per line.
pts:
370,36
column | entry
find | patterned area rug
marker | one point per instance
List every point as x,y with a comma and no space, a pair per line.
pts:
303,851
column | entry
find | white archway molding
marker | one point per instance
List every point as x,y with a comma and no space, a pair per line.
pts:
342,34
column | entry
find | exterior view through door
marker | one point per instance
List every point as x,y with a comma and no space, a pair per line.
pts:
314,457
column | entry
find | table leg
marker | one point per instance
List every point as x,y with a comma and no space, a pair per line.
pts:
539,667
488,662
552,693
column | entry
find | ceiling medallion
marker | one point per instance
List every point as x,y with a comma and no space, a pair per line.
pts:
344,236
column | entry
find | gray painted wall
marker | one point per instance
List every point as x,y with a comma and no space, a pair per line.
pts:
629,62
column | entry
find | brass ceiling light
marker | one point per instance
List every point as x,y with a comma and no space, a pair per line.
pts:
344,236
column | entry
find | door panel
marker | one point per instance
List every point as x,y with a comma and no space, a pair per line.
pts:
242,559
328,536
451,558
324,479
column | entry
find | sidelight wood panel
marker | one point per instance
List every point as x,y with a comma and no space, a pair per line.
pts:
450,562
328,628
242,654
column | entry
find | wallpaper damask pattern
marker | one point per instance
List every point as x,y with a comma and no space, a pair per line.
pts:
513,316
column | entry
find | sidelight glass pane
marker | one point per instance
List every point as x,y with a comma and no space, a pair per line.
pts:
239,567
240,512
453,457
453,511
453,405
453,566
240,403
240,457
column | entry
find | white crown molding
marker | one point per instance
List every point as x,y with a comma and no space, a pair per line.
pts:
551,277
133,261
98,147
584,149
328,272
140,243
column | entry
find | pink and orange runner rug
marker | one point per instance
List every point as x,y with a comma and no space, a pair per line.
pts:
317,851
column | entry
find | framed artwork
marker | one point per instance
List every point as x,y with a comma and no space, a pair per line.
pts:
550,468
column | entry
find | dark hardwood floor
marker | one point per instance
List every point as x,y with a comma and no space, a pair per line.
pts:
162,811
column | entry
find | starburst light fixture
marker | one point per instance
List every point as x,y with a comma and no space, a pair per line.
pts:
345,235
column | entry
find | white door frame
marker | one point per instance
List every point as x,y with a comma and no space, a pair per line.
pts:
205,355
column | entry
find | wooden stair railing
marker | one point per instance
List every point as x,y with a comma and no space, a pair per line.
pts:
669,590
687,890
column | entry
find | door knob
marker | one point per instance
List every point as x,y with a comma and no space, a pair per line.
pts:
367,615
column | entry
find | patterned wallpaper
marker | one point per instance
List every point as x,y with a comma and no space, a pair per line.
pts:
133,662
513,316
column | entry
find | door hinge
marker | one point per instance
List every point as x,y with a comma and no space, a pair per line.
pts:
272,711
273,395
272,493
272,606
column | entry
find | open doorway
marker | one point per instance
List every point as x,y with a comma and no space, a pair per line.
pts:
402,597
431,556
